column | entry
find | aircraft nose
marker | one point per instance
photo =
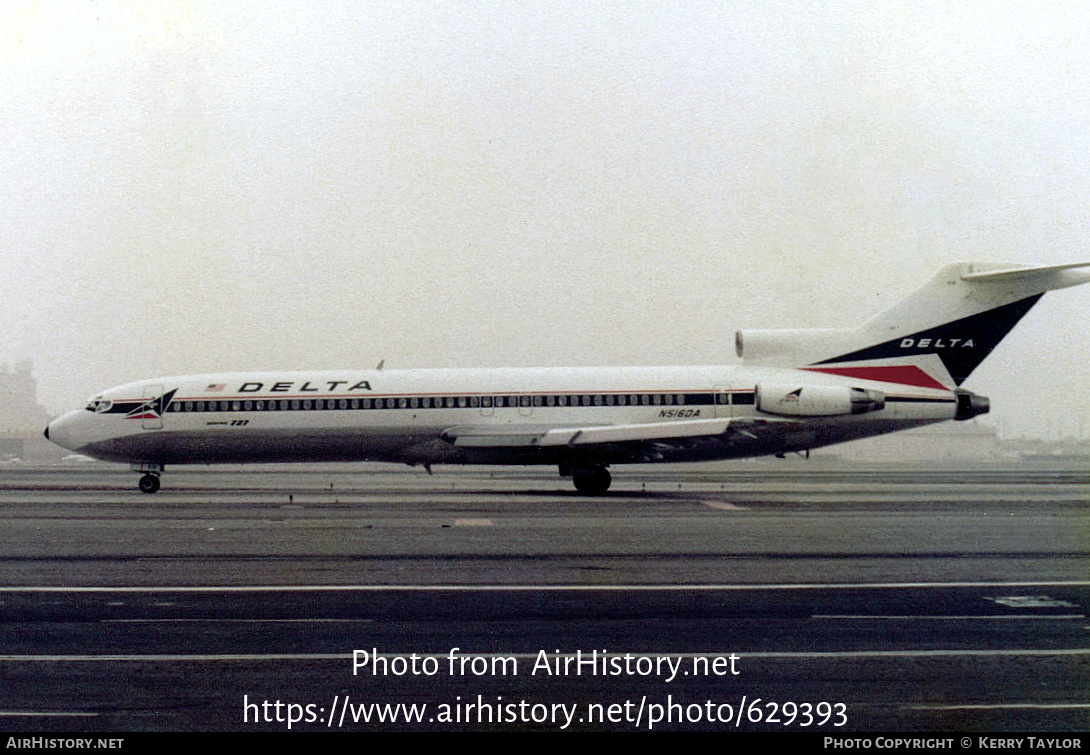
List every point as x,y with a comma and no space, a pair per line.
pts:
65,431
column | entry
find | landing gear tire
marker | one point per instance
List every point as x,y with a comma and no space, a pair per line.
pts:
592,481
149,483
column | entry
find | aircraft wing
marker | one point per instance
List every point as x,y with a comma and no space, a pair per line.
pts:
490,436
658,433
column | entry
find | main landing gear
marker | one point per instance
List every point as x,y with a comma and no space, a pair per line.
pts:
592,481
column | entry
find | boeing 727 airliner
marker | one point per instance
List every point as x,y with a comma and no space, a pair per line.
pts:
796,390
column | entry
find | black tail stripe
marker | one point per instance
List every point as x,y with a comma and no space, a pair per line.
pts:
961,344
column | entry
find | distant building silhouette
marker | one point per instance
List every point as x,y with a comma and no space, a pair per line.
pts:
19,410
20,416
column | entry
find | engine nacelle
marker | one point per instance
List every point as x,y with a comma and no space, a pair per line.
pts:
816,400
791,348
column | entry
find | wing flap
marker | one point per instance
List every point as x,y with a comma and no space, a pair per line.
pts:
481,437
582,436
511,436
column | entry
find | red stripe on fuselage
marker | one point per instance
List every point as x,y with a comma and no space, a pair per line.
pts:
902,374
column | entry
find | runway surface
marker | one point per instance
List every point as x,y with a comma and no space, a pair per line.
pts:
751,597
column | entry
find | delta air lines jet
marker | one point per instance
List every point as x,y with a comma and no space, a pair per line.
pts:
795,390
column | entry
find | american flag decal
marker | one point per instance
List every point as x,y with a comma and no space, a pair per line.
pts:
216,387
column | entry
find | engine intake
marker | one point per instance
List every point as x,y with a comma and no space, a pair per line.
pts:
816,400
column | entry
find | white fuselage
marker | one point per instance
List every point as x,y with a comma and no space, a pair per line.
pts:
412,416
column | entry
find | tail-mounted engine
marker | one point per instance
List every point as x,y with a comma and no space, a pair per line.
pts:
816,401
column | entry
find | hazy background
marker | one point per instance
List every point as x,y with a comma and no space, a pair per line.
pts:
192,187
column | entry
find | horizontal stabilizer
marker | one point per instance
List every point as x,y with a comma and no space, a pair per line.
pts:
1060,278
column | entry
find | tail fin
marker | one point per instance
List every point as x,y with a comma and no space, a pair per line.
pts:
935,338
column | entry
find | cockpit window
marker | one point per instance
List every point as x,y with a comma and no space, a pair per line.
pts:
99,405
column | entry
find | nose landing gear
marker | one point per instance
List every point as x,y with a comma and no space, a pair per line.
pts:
149,482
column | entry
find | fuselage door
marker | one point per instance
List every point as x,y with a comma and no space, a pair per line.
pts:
488,406
526,405
721,399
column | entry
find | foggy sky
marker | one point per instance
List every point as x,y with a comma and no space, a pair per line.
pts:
194,187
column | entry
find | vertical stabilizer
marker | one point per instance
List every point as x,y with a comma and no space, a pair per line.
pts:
935,338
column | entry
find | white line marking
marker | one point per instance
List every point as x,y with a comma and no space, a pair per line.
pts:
44,714
946,618
1005,706
828,617
723,506
238,621
770,655
535,588
472,522
168,658
1031,601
